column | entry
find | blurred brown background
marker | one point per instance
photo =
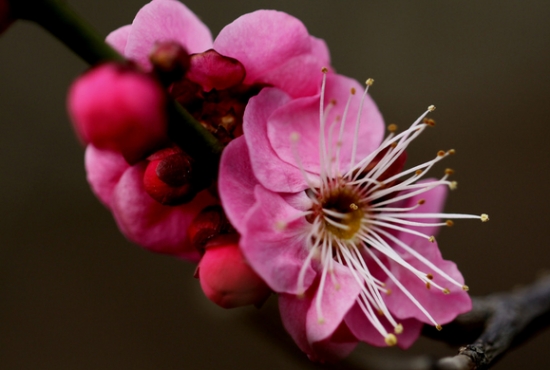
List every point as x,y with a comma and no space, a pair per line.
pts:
74,294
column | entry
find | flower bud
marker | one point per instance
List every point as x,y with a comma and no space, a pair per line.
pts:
225,276
207,225
119,108
5,15
170,61
168,177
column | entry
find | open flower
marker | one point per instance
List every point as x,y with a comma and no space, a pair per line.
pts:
332,222
215,80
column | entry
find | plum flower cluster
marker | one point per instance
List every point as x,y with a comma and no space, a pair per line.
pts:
139,170
310,201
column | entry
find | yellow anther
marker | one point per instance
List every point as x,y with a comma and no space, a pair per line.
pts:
451,151
353,206
465,288
449,223
369,82
446,291
453,185
398,329
431,239
484,217
449,171
391,340
392,127
321,320
431,108
438,327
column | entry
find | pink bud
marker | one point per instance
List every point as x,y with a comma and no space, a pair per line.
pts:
5,15
119,108
168,177
226,278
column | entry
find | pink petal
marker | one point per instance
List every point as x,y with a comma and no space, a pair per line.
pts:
144,221
336,301
236,183
293,315
118,38
266,43
442,307
104,169
269,169
361,327
166,20
273,242
435,200
214,71
302,116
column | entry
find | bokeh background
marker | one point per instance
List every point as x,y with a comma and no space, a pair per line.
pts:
74,294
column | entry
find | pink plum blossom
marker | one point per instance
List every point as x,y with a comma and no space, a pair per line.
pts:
217,79
331,221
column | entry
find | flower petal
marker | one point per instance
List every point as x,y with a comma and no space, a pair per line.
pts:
236,183
119,37
104,169
273,242
166,20
161,229
442,307
276,39
361,327
301,116
293,315
273,173
336,300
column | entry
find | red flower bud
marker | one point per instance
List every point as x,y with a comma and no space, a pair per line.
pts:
119,108
168,177
225,276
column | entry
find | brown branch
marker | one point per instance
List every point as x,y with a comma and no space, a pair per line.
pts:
500,321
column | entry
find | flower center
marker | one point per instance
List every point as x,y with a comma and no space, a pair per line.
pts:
340,210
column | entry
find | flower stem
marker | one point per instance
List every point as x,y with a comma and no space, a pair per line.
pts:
66,25
62,22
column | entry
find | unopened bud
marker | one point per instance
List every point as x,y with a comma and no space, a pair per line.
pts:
170,61
119,108
209,223
225,276
168,177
